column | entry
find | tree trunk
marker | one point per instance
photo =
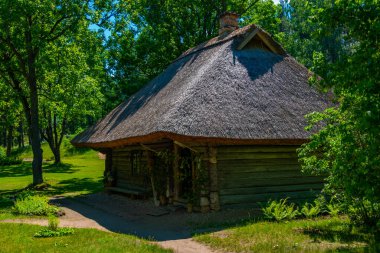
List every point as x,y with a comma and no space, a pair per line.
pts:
35,136
21,135
52,135
9,140
57,154
34,115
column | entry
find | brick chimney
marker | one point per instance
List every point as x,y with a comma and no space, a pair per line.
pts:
228,22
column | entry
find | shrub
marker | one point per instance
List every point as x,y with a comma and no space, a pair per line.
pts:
365,213
46,232
310,210
10,161
2,152
280,210
53,222
334,209
5,160
34,205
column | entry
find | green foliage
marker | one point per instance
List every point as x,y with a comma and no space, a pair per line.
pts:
53,222
334,209
10,161
280,210
365,213
47,232
5,160
2,152
146,36
34,205
310,211
347,148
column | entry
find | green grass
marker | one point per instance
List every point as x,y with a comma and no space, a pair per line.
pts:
318,235
80,173
19,238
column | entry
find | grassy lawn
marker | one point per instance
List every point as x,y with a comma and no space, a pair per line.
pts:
318,235
80,173
19,238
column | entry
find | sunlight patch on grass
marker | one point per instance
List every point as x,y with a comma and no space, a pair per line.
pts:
79,174
319,235
19,238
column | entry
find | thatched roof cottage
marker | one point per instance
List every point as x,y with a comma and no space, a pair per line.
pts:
218,128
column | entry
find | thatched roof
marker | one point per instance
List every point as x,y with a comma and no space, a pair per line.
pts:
217,93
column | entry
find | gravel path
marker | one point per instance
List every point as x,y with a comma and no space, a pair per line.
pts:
170,228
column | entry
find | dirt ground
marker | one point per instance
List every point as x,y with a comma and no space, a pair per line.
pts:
171,227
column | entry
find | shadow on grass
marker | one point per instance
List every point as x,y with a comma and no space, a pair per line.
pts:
344,233
72,151
25,169
89,185
60,168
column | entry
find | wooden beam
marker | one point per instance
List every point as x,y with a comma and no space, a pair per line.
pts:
148,148
267,43
247,39
150,164
213,176
184,146
176,176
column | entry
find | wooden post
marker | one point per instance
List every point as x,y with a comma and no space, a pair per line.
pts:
108,162
150,168
176,179
213,172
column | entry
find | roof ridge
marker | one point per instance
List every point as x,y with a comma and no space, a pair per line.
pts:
215,41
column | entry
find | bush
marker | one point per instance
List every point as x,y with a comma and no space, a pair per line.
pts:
310,210
365,213
9,161
280,210
5,161
53,230
334,209
2,152
46,232
34,205
53,222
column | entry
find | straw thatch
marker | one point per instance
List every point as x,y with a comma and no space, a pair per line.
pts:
215,92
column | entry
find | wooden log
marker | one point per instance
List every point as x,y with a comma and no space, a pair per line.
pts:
244,155
109,160
250,162
236,199
256,149
150,168
227,184
213,178
176,173
241,168
270,189
261,175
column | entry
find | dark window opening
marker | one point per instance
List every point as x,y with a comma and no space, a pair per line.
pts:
136,164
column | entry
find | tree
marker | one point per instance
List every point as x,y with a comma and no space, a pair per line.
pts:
69,87
146,36
26,28
10,115
347,148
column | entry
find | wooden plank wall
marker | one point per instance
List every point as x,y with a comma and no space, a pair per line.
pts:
249,175
121,161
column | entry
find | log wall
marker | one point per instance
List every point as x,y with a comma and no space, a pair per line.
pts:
249,175
121,163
